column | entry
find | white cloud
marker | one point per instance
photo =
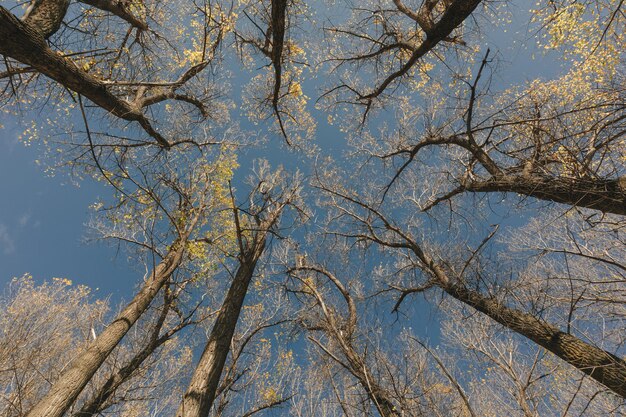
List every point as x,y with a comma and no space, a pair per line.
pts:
6,243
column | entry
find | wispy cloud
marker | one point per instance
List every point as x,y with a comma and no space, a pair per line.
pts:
24,219
6,242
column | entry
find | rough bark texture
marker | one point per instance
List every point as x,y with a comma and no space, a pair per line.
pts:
78,373
119,9
94,405
602,366
26,44
200,395
279,10
606,195
46,16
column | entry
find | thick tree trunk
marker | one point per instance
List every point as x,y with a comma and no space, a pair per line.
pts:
279,12
46,16
25,44
604,367
608,196
200,394
71,382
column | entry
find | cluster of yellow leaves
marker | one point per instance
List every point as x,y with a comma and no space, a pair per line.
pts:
204,29
270,395
295,89
565,24
285,361
62,281
255,309
217,226
137,8
192,57
421,76
441,388
308,285
589,36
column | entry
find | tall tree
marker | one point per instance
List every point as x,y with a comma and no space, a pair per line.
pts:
157,206
454,278
367,368
271,195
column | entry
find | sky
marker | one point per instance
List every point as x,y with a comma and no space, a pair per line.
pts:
42,218
42,225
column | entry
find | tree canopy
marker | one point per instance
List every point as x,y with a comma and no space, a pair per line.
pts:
332,208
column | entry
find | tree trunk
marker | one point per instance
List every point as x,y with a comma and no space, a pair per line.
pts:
604,367
606,195
95,404
119,9
71,382
200,394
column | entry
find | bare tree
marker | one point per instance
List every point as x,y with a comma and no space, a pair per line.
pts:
153,200
341,333
454,278
271,195
114,77
390,44
369,369
43,326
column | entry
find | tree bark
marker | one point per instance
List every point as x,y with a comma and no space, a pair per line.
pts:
46,16
198,399
71,382
604,367
606,195
119,9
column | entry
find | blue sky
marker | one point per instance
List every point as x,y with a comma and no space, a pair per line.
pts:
42,224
